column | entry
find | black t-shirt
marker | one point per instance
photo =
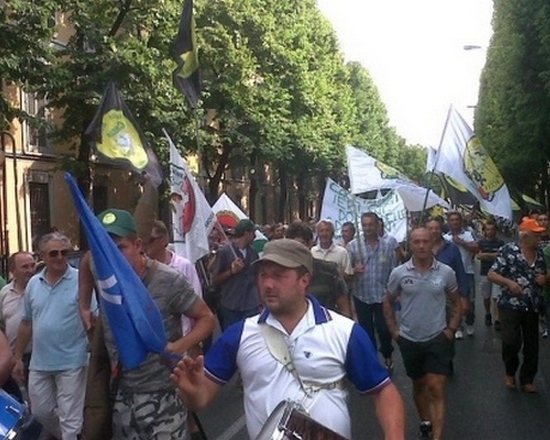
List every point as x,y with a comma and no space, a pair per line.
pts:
488,246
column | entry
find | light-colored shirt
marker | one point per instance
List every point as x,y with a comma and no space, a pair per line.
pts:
58,338
378,261
466,255
336,254
11,308
423,298
185,267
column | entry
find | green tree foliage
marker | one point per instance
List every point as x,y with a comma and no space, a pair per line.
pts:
274,84
371,132
514,104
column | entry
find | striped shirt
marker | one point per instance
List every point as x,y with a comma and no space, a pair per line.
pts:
379,260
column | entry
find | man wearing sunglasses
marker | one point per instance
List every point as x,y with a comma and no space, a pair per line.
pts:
50,317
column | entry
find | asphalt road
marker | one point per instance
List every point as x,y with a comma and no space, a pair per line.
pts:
478,404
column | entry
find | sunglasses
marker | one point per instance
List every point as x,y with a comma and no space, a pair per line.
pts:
63,253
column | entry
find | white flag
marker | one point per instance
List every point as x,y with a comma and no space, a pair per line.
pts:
430,159
462,157
229,214
368,174
192,216
340,206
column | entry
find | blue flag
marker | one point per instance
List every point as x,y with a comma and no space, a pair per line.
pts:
133,317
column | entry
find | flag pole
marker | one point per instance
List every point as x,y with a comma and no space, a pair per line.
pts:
432,172
358,227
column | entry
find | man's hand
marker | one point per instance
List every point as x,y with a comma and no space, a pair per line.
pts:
19,370
237,266
514,288
358,269
88,320
541,279
449,334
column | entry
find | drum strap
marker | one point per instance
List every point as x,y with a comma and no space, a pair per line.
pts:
279,350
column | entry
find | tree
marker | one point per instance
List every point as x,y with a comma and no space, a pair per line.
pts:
511,117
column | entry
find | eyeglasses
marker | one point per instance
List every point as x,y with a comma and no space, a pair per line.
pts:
55,253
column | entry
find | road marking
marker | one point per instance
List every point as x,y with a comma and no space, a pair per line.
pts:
233,430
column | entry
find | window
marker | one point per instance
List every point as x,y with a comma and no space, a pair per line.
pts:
39,195
36,131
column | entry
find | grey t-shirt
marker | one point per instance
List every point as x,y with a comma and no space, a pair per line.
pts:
422,298
174,296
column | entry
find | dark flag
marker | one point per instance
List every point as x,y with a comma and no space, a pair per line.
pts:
134,318
456,192
184,51
116,137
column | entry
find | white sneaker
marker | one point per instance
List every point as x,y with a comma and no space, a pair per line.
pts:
459,334
470,330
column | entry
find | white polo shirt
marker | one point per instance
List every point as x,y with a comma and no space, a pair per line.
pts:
466,255
11,308
336,254
325,348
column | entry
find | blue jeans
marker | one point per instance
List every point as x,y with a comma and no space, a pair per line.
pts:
227,317
371,318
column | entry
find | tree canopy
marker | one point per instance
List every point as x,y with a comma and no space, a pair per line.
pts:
514,100
275,88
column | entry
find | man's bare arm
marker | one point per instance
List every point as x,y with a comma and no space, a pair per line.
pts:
390,412
456,310
85,290
7,360
389,314
24,335
202,328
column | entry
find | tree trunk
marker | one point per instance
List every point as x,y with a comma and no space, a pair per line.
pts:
83,179
215,179
253,188
283,192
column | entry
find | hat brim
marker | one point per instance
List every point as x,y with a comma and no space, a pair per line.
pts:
536,230
117,230
281,261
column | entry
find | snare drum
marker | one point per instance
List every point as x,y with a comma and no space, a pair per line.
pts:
13,416
289,421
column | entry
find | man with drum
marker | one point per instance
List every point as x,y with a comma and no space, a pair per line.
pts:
324,347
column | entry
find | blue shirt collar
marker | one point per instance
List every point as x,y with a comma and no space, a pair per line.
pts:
321,314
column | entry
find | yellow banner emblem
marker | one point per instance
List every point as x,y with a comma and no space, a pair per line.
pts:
481,170
120,140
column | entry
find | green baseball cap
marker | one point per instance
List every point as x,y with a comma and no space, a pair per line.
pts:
287,253
118,222
245,225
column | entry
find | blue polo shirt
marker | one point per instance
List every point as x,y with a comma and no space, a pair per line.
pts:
449,254
58,338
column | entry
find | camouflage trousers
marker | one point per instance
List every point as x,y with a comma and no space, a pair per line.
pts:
149,416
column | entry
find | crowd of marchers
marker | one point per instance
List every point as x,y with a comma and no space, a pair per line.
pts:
298,314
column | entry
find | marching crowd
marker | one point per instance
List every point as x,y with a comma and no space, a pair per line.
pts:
297,315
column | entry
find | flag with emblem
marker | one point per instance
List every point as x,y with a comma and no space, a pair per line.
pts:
462,157
186,76
134,319
116,137
192,216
